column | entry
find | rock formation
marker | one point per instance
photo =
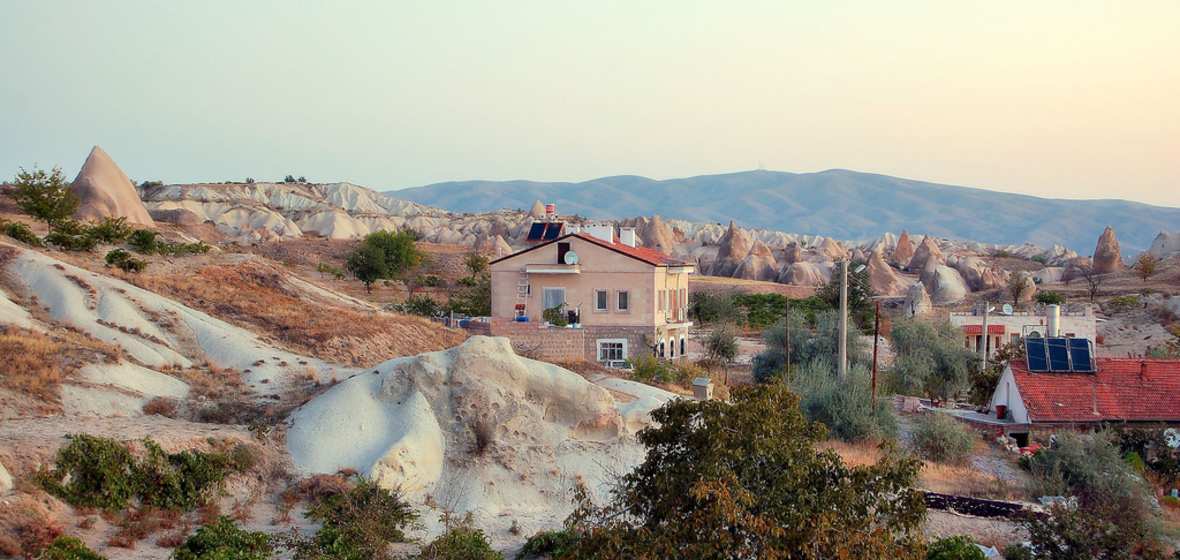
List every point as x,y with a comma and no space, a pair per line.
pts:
537,212
927,251
881,277
1107,255
657,235
732,250
107,192
948,286
758,265
801,274
905,249
791,254
976,273
917,301
832,248
1165,245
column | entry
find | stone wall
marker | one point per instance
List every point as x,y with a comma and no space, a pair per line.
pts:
532,341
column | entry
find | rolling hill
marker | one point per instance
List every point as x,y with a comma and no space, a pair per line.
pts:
837,203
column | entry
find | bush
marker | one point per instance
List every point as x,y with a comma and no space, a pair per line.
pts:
99,472
1050,297
359,524
224,541
325,268
555,316
143,241
109,230
71,242
20,232
148,242
421,305
954,548
123,261
69,548
1017,552
549,543
939,437
650,369
461,542
845,406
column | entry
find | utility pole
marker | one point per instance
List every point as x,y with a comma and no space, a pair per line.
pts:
876,337
983,341
843,371
787,328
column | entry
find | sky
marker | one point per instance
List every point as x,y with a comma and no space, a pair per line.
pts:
1059,99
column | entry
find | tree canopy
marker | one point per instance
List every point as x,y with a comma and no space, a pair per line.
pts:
930,359
744,480
45,195
384,255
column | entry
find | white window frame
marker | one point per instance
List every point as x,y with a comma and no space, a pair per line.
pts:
545,297
619,297
602,341
605,295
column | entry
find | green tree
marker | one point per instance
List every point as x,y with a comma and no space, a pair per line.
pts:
744,480
222,540
808,344
930,359
474,300
845,406
384,255
475,263
1145,265
45,195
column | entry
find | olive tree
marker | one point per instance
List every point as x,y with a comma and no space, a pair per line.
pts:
930,359
45,195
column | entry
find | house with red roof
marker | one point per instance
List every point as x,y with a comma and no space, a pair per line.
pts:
1132,390
617,298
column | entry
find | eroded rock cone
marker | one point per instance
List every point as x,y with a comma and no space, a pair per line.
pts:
927,250
758,265
917,301
791,254
1107,255
656,235
801,274
1165,245
733,247
537,212
905,249
832,248
881,277
948,286
107,192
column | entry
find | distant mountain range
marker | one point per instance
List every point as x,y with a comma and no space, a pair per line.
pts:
835,203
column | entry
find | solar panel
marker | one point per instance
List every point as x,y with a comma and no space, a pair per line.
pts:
1080,355
1058,354
1038,355
537,231
553,230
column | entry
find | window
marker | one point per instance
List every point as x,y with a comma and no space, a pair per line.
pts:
682,346
600,300
661,349
672,348
563,247
624,301
612,350
553,297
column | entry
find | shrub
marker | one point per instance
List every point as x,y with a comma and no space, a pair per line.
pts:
143,241
421,305
1050,297
550,543
148,242
939,437
1124,302
430,281
71,242
357,525
123,261
845,406
1042,258
461,542
685,372
325,268
99,472
954,548
20,232
224,541
649,369
109,230
1017,552
69,548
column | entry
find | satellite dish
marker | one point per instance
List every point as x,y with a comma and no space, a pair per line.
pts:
571,257
1172,437
1007,309
858,269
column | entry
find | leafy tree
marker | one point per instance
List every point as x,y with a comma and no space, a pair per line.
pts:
709,308
930,359
1051,297
954,548
860,295
845,406
721,344
1017,284
474,300
384,255
289,179
357,525
1145,265
744,480
475,263
45,195
939,437
222,540
808,344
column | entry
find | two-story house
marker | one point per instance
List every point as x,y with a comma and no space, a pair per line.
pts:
620,299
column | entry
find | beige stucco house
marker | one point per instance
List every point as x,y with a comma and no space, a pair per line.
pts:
621,299
1009,328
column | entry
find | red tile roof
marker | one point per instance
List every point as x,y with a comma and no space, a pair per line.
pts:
649,256
1118,391
978,329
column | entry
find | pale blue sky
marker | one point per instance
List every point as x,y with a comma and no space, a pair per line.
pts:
1058,99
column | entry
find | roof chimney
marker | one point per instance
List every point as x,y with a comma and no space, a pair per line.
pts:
627,236
605,232
1143,370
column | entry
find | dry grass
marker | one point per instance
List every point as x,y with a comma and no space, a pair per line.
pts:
31,364
258,297
27,526
961,480
721,285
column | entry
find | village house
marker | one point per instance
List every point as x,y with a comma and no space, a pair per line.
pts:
617,298
1005,328
1117,390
